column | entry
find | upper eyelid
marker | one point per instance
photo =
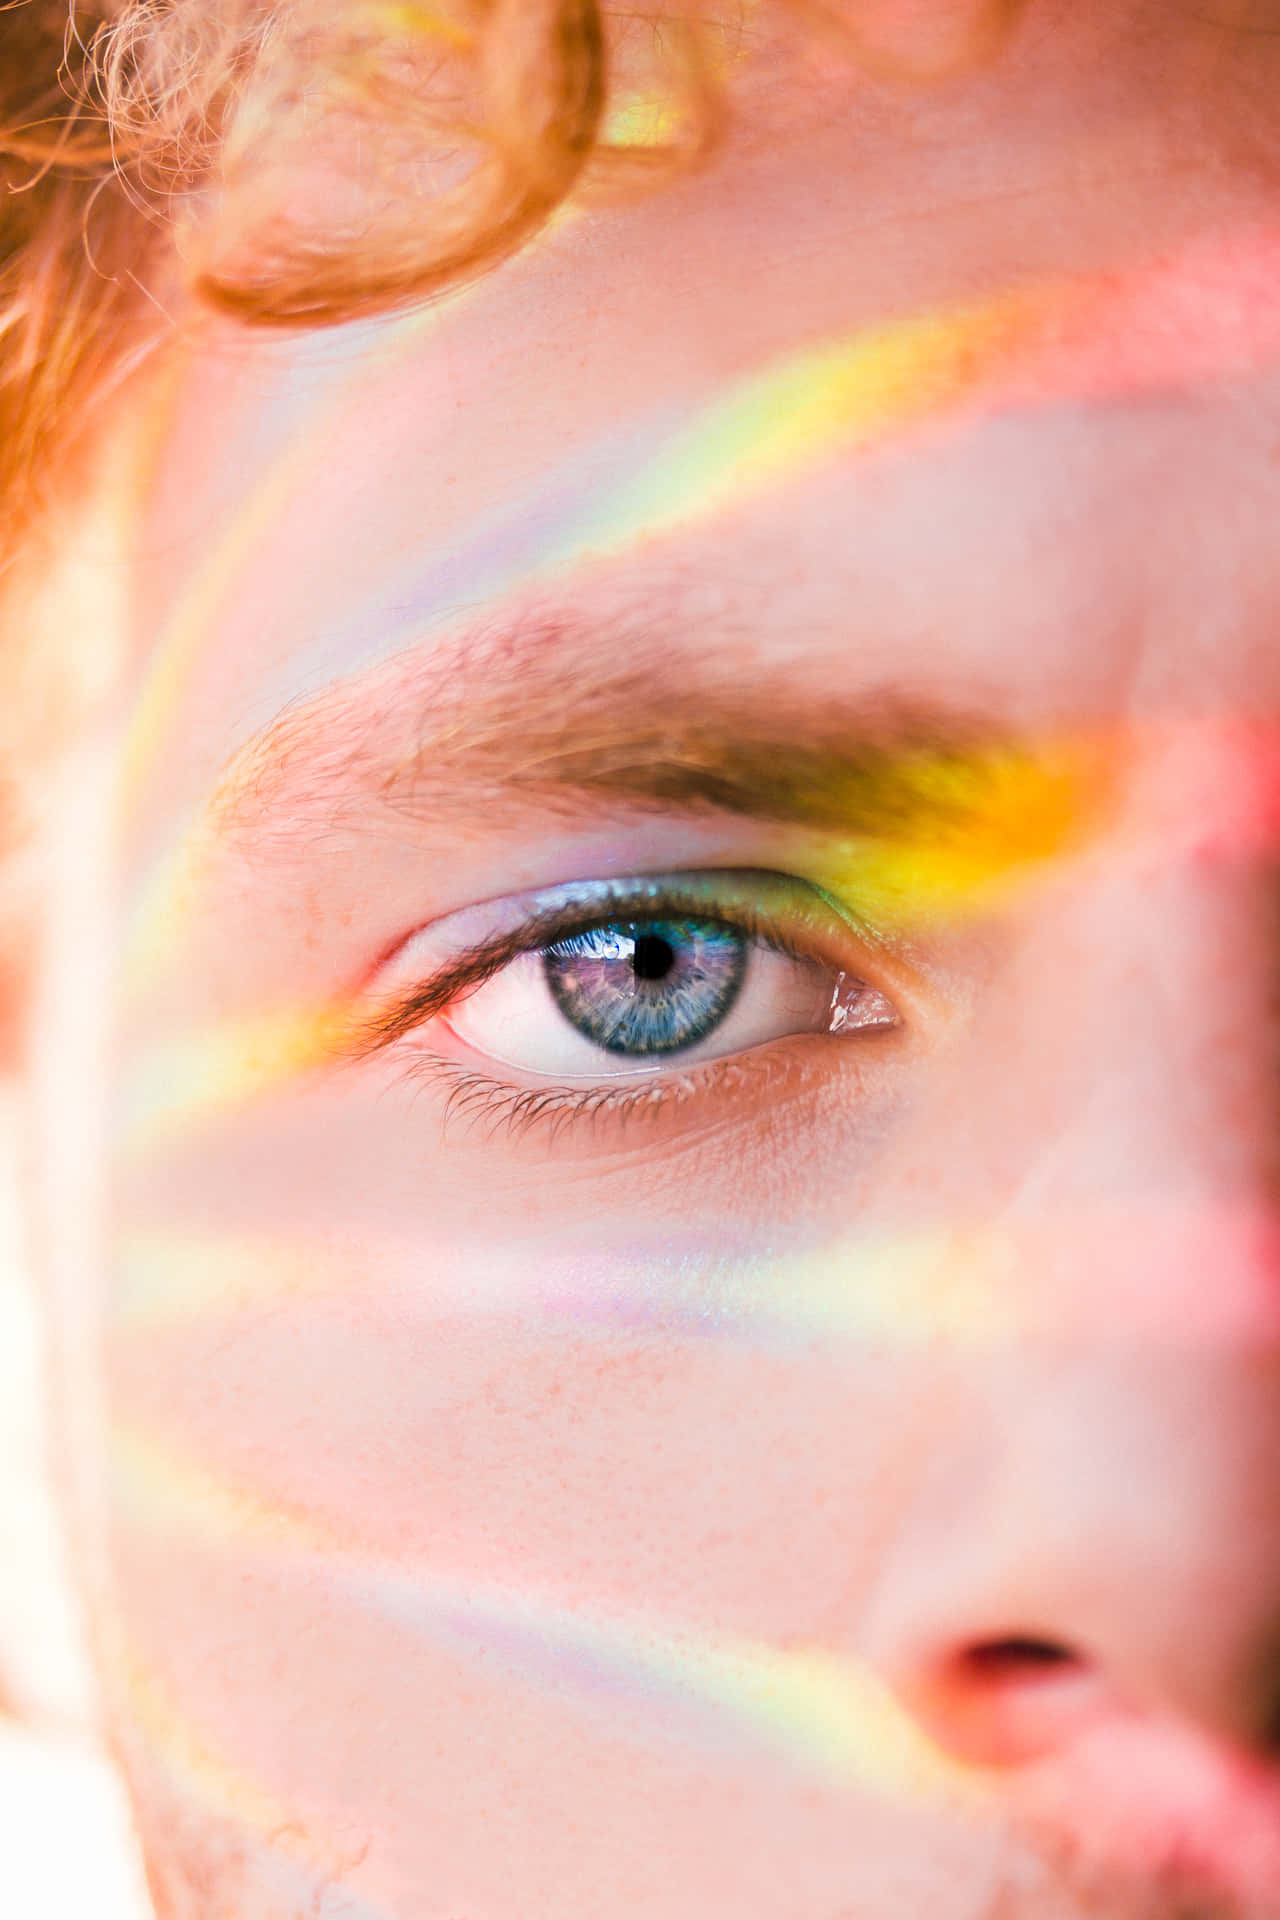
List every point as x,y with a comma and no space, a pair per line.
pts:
579,904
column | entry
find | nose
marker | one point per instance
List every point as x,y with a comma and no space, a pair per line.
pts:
1099,1536
1103,1543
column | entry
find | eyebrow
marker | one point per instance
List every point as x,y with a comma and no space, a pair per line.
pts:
569,716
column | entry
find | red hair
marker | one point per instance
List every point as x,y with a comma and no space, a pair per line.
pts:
145,142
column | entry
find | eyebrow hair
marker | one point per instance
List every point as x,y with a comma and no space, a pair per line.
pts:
566,715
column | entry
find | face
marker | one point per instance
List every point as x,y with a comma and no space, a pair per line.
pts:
663,1207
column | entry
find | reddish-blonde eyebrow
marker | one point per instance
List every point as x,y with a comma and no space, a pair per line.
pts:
563,717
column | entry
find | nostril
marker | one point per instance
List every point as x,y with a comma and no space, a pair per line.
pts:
1008,1699
1016,1657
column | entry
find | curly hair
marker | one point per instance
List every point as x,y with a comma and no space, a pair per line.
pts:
143,141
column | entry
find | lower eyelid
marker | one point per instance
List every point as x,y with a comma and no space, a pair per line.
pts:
669,1111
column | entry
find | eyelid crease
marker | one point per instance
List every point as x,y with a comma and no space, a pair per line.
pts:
642,898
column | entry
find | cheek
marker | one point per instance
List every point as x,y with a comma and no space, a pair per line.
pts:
511,1498
514,1599
498,1524
615,1369
622,1381
706,1476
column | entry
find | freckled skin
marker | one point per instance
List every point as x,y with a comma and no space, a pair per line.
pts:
850,1485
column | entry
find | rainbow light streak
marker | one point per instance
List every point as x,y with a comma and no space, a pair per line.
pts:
1207,313
290,432
165,1280
956,1284
1114,336
824,1712
981,826
777,424
676,469
963,1284
683,464
221,1069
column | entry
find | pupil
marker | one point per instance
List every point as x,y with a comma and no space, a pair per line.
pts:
653,957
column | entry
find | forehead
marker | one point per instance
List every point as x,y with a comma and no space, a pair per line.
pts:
1015,528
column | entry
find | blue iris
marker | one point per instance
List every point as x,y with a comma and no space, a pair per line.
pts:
647,986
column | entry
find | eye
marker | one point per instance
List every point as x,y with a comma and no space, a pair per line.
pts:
640,994
578,995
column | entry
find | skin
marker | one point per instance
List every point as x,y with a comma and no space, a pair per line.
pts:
849,1487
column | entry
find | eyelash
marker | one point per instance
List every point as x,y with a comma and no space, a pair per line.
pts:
470,970
498,1109
504,1108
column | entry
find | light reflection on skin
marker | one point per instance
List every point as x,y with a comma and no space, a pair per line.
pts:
990,826
1012,812
1207,316
589,1438
768,428
829,1711
281,437
961,1284
823,1712
907,1287
955,1285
